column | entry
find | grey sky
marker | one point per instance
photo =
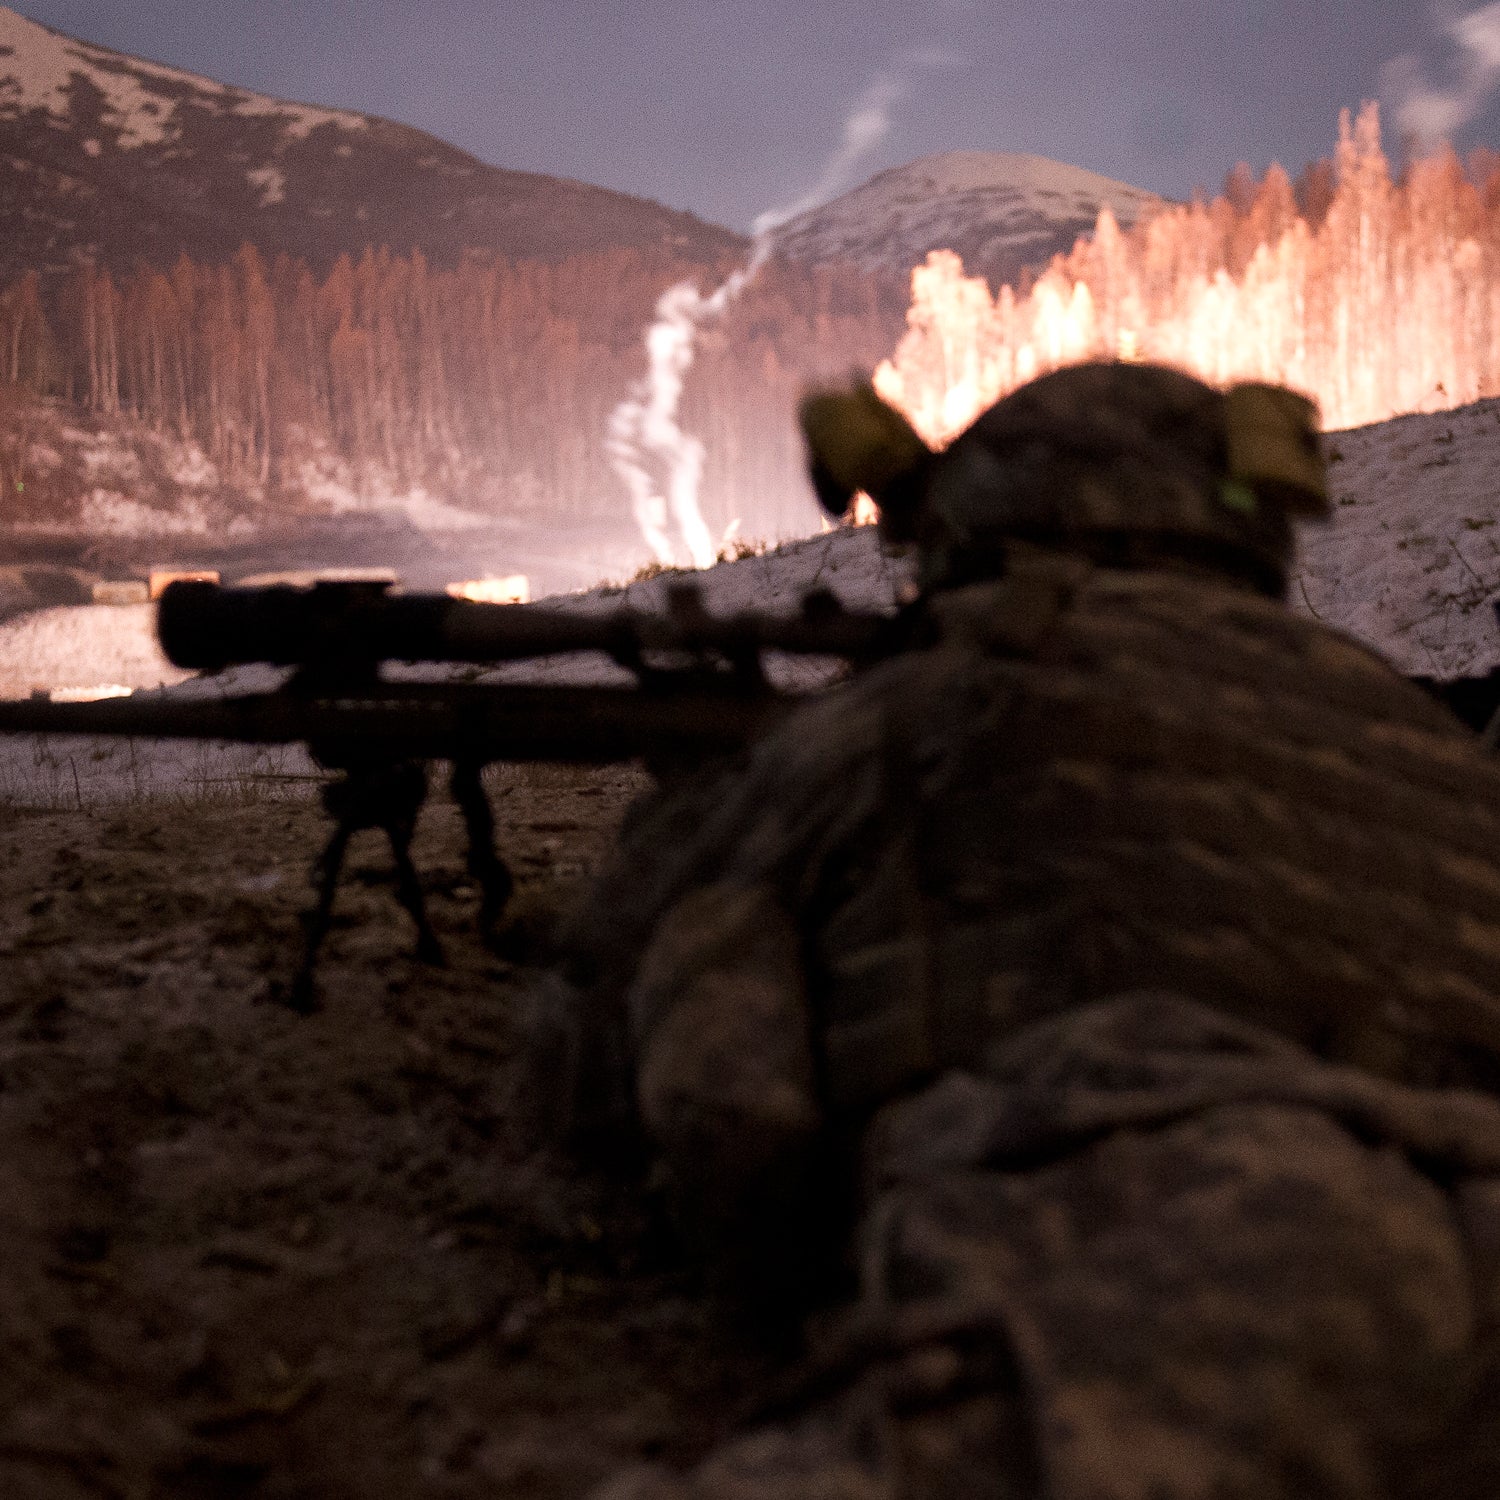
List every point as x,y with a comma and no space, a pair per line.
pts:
732,108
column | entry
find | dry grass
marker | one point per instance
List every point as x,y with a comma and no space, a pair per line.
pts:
72,773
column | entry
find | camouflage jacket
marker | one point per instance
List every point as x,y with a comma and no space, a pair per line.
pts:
1092,780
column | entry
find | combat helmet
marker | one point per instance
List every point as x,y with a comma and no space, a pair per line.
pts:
1133,465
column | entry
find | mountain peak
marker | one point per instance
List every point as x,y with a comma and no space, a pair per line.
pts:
1003,212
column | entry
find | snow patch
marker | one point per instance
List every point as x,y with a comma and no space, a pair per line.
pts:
1410,561
1001,198
58,770
109,513
1036,178
427,513
190,467
271,182
106,453
141,99
330,483
79,645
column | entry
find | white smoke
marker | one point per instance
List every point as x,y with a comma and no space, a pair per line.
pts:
1431,113
660,464
644,427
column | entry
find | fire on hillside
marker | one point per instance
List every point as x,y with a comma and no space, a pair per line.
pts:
1376,296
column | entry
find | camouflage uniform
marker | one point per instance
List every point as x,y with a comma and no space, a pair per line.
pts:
1125,958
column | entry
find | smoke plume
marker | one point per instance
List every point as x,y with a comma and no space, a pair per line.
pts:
1430,113
660,464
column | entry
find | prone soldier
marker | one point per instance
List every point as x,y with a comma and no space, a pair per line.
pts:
1108,987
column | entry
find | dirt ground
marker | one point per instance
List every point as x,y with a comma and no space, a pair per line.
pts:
245,1252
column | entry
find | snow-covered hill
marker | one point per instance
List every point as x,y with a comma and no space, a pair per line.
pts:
112,158
1410,561
115,159
1002,213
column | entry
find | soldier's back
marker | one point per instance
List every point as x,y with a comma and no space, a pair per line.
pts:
1092,780
1104,780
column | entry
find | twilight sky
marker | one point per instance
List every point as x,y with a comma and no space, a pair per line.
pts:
729,109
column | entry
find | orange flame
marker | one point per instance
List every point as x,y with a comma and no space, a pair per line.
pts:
1389,303
516,589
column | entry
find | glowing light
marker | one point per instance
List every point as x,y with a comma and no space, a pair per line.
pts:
1387,301
89,694
158,578
516,589
307,578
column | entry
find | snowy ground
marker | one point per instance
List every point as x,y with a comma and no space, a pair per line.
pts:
83,646
1411,559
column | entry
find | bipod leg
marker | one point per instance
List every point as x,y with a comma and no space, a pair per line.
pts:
485,865
409,893
403,790
326,867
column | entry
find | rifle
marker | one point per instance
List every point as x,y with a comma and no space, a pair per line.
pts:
698,688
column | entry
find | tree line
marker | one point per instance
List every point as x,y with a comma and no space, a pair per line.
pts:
487,385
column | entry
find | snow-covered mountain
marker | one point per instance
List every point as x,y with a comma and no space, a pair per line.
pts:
111,158
1002,213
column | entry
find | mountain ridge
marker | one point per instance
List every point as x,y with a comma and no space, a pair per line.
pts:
114,159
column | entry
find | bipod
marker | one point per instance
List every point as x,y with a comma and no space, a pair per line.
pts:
490,871
386,796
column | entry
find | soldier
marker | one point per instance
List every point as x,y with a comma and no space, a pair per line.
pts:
1111,983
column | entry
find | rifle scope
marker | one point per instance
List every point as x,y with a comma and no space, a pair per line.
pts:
205,627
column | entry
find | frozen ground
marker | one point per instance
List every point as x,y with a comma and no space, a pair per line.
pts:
92,646
252,1255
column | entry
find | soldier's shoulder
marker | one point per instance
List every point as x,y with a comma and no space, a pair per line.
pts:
1236,633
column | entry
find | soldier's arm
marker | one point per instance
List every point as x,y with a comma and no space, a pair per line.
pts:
724,1075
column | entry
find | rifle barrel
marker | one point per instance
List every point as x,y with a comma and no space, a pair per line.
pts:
581,725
